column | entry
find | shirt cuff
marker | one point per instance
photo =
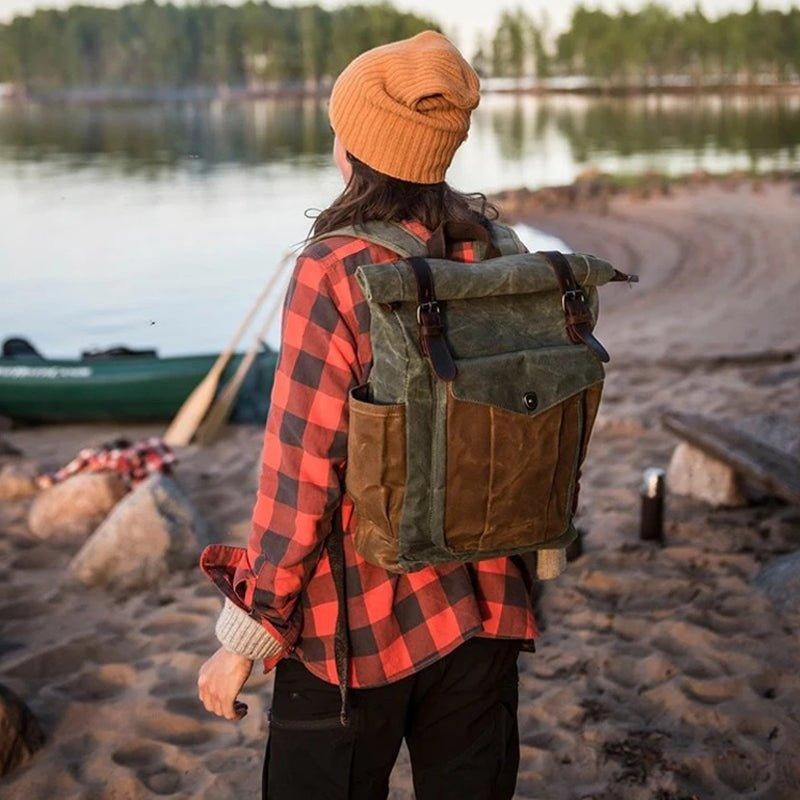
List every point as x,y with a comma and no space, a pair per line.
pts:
239,633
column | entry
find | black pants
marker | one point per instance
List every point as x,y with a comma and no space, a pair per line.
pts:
458,716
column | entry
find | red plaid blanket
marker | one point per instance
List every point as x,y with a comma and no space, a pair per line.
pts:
133,462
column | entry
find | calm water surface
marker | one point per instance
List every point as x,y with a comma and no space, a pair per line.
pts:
157,225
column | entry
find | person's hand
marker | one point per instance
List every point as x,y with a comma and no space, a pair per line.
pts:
219,682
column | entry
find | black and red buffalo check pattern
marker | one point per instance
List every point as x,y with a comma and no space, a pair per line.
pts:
132,462
398,623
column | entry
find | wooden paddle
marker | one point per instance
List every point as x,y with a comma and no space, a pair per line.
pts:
217,417
186,422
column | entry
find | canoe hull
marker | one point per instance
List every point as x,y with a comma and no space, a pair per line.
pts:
120,389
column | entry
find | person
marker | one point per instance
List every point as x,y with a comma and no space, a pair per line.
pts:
433,652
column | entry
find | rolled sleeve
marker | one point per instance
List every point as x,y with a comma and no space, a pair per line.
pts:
305,448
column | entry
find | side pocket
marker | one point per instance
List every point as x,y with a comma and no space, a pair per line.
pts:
376,475
309,753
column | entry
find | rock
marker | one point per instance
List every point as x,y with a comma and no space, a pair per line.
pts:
17,481
779,579
696,474
69,511
20,734
153,531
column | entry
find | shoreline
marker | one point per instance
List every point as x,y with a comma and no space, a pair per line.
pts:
594,190
209,94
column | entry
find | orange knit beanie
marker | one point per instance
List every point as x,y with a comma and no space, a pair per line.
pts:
403,108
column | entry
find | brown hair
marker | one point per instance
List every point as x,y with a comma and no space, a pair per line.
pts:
371,195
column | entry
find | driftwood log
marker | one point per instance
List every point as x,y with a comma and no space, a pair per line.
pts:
775,471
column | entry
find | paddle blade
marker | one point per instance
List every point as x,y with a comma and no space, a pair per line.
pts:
217,418
186,422
194,409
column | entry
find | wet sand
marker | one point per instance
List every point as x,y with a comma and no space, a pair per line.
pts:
661,672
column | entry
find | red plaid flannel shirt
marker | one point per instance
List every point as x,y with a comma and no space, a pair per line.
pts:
398,623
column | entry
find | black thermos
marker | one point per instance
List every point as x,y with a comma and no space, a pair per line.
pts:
652,523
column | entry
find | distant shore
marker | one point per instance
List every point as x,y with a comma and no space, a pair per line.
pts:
594,191
299,90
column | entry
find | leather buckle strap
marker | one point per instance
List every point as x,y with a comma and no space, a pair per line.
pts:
578,317
430,319
431,322
430,310
576,312
572,295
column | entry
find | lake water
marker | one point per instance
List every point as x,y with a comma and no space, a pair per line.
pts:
156,226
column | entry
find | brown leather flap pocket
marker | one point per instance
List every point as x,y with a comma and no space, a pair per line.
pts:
517,425
376,475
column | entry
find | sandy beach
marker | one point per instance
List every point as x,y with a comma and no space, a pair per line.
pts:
661,673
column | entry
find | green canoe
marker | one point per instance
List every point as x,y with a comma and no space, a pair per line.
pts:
128,387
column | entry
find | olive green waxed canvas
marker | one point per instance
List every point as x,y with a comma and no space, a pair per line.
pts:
505,276
514,419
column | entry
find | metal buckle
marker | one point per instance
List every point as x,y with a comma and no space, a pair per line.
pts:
430,307
572,294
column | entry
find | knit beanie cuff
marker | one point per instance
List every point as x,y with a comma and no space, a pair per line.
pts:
406,149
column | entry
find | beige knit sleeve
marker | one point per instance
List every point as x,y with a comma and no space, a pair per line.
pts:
240,633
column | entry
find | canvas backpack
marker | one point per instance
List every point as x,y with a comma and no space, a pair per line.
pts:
467,440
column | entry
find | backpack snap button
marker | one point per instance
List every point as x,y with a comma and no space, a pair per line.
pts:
530,400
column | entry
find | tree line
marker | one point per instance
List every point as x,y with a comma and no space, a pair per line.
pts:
648,45
148,44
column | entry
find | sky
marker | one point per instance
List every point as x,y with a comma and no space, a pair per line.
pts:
462,20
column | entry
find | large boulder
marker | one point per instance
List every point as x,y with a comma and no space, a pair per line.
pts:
153,531
20,734
779,579
69,511
17,481
694,473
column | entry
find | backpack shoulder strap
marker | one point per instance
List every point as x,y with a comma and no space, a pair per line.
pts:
391,235
506,240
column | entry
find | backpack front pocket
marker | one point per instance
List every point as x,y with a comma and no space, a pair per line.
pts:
517,427
376,475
